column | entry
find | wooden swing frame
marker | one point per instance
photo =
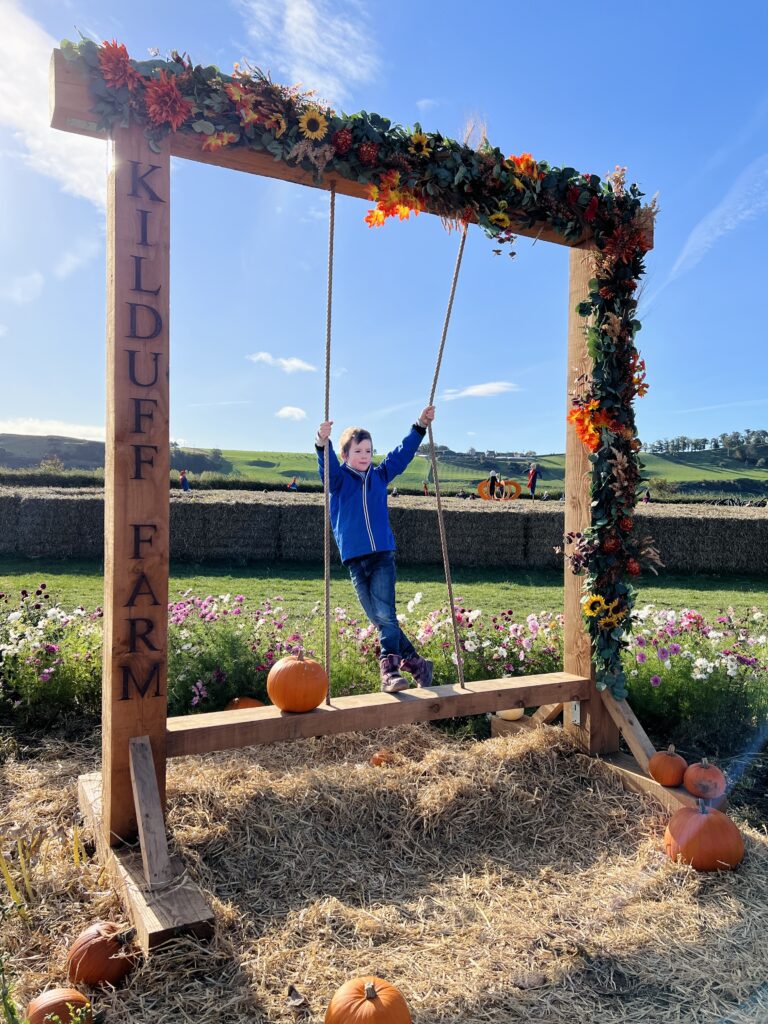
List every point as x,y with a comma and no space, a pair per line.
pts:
127,798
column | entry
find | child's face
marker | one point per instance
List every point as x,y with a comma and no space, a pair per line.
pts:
359,455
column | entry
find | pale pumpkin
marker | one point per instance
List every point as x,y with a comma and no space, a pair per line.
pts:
297,683
667,767
705,780
101,954
705,838
240,703
511,714
367,1001
64,1003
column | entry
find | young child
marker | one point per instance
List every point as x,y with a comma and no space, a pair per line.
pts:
360,522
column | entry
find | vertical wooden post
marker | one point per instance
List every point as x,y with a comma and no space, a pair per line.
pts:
594,731
134,696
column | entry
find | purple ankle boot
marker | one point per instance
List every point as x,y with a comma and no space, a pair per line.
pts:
420,668
389,670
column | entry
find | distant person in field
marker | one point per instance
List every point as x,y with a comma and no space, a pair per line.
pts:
533,478
647,496
358,492
426,488
183,481
493,478
293,485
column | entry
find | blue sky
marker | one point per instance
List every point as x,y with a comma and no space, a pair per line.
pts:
677,93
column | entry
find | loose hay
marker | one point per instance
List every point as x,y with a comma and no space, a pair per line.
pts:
511,880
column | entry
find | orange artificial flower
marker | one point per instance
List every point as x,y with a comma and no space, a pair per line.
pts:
165,104
588,419
525,164
116,67
219,140
391,200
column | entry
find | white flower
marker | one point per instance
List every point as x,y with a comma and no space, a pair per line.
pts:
474,614
401,618
14,616
756,616
470,645
633,672
714,635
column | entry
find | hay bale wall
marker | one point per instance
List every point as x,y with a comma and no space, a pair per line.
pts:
245,527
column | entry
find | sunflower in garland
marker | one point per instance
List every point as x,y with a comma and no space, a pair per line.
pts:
419,144
594,605
313,124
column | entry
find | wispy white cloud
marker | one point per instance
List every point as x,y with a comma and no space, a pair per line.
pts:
57,428
291,412
80,253
376,414
724,405
24,288
426,104
290,365
74,161
746,130
324,44
494,387
746,199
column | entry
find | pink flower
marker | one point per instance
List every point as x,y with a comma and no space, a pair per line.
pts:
642,657
655,680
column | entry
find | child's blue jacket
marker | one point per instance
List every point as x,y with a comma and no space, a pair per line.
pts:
359,516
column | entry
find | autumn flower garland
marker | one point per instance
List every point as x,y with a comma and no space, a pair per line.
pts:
409,171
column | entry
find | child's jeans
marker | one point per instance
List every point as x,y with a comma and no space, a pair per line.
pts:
374,579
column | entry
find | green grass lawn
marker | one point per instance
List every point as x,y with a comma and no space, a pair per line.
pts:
301,585
709,467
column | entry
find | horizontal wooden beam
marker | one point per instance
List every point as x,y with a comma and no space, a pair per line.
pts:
71,111
227,730
157,915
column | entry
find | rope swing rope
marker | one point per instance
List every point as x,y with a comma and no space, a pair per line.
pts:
433,460
432,455
326,489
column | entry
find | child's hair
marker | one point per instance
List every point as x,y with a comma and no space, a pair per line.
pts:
353,435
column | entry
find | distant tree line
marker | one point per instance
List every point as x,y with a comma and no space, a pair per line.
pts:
745,446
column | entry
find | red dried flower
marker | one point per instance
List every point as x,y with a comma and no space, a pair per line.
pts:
606,292
591,211
633,567
626,524
572,195
116,67
611,545
342,140
368,153
165,104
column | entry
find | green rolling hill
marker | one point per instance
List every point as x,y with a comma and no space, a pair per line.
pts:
692,472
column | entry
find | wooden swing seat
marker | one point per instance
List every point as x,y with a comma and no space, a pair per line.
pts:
228,730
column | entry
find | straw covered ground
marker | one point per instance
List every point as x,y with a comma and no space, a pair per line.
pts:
495,882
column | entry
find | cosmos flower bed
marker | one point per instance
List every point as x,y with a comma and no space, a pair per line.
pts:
700,681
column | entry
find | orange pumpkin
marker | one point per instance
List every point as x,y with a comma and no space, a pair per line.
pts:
367,1001
383,756
96,956
705,780
238,703
64,1002
297,683
667,767
705,838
